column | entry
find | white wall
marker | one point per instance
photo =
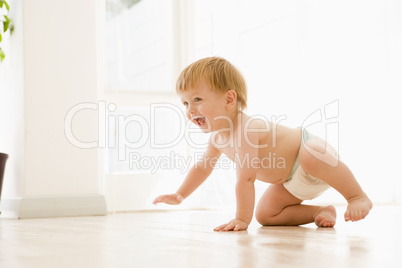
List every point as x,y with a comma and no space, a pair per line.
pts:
59,72
345,51
12,104
299,56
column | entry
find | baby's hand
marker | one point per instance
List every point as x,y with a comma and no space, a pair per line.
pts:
233,225
170,199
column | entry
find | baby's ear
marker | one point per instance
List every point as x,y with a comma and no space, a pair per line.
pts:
231,98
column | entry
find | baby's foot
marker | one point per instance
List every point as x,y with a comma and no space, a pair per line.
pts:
358,208
325,217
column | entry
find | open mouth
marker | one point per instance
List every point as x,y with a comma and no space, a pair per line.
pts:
199,120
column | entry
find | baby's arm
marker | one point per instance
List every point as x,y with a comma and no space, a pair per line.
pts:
245,198
196,176
247,164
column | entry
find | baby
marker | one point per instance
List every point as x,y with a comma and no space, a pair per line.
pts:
214,94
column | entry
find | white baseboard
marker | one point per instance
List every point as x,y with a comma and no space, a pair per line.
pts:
55,206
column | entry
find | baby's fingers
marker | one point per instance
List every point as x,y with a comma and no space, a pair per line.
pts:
157,200
229,227
171,199
220,227
225,227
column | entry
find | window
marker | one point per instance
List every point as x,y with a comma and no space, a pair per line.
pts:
139,45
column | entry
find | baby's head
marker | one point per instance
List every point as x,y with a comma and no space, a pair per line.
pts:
218,73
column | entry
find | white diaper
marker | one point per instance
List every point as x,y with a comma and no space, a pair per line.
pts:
303,185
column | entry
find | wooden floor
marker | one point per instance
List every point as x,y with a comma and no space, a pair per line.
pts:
185,239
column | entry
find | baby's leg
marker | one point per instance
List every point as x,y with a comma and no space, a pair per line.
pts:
278,207
316,160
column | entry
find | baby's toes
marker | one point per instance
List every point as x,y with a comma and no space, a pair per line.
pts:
363,214
347,216
356,215
351,215
359,215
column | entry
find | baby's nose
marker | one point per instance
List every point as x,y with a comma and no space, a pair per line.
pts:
190,109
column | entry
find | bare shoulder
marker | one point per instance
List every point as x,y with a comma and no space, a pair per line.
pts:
256,122
255,125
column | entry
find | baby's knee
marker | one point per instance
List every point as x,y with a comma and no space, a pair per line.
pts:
263,219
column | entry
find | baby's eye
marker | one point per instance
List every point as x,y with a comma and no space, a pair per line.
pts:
197,99
185,103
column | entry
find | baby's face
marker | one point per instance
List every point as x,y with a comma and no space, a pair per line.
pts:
204,106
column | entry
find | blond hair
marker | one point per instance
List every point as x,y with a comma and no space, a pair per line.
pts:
219,73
